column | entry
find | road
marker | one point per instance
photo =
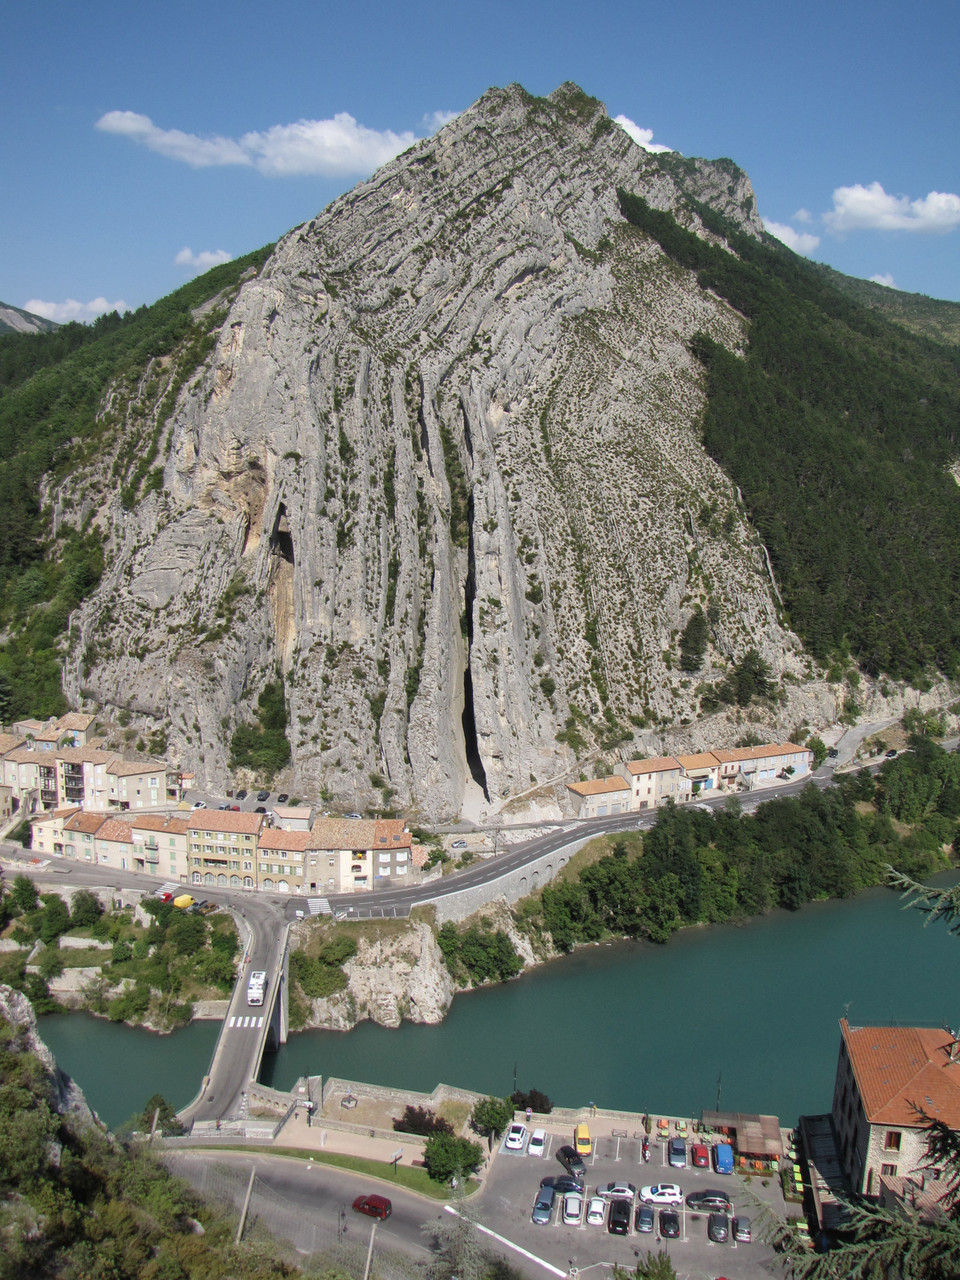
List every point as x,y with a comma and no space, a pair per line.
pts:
306,1203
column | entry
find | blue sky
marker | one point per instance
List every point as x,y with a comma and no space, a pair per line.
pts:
146,140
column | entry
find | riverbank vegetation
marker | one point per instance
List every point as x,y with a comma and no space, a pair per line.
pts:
697,866
142,973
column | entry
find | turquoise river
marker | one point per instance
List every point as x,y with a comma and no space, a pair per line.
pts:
751,1009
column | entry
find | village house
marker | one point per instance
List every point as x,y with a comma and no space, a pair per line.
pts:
700,772
652,781
280,860
600,797
350,854
748,766
883,1075
223,847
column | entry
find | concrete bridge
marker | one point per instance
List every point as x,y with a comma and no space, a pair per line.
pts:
248,1030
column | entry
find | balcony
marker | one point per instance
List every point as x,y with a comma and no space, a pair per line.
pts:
151,853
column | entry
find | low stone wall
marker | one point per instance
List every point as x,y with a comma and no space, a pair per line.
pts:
512,885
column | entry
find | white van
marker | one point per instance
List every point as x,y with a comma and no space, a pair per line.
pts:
256,987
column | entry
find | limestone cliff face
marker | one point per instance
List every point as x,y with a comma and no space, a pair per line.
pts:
65,1097
390,978
443,470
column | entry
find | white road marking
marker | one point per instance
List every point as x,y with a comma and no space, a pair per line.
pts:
232,1021
548,1266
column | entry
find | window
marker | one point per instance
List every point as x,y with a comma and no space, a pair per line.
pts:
892,1141
888,1170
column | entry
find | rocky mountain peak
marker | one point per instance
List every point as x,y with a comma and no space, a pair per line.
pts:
442,473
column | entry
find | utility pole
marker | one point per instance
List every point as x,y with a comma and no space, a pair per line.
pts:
373,1232
246,1206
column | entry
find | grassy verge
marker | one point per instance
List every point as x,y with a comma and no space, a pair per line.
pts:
417,1180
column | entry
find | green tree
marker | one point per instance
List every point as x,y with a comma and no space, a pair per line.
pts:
655,1266
85,909
819,749
50,962
25,893
54,919
491,1116
167,1120
693,641
446,1157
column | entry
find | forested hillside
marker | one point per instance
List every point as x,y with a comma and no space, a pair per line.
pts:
706,867
51,387
840,428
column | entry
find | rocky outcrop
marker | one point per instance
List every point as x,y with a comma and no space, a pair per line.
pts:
401,975
443,472
66,1097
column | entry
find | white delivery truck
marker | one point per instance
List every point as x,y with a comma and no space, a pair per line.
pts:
256,987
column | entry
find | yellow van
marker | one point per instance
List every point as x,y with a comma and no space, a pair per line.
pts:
581,1140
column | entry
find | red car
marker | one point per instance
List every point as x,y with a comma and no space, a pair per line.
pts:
700,1157
373,1206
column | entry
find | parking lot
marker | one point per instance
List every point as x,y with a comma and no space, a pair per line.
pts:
507,1199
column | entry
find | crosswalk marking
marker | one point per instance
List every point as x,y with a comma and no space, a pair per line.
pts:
319,907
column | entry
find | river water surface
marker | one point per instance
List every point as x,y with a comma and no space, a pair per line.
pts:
750,1011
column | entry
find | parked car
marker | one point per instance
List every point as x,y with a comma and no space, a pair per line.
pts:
741,1230
543,1205
563,1184
708,1201
200,804
260,809
538,1142
282,798
718,1228
516,1137
662,1193
572,1209
596,1211
373,1206
618,1223
891,753
669,1224
571,1162
459,844
223,806
832,753
699,1156
352,815
235,808
582,1140
617,1191
242,794
677,1153
263,795
644,1218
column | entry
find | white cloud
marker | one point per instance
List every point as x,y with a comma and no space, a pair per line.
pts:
799,241
203,260
61,312
803,215
886,279
860,208
329,147
437,119
642,137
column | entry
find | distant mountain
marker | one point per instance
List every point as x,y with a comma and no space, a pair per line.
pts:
532,451
929,317
15,320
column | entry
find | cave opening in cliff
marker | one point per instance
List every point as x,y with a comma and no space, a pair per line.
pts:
281,540
469,719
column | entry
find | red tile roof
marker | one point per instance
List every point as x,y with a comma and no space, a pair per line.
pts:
898,1069
85,822
293,841
225,820
599,786
659,764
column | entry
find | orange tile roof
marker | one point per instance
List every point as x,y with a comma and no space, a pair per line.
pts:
343,833
599,786
900,1068
157,822
700,760
277,838
659,764
55,815
86,822
116,829
85,755
8,741
124,768
225,820
75,720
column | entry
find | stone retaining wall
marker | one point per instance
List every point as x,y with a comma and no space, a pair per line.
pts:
512,885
